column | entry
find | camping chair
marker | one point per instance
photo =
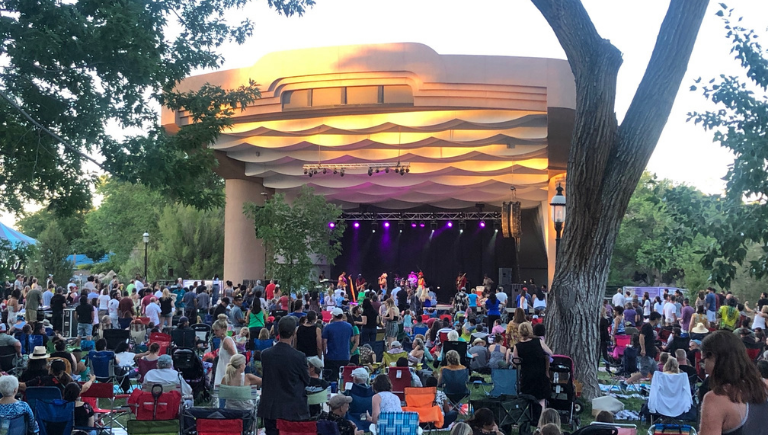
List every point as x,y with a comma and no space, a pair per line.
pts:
504,382
102,365
203,334
24,340
327,427
362,402
155,403
420,330
104,390
327,316
35,340
400,378
15,426
55,417
227,392
9,360
285,427
674,389
623,429
454,384
115,337
345,374
33,394
145,366
66,361
164,340
521,411
671,428
389,359
216,421
395,423
163,427
598,429
422,402
458,346
753,354
319,398
622,341
262,345
138,332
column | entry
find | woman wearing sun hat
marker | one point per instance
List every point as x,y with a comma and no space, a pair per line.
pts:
699,331
37,365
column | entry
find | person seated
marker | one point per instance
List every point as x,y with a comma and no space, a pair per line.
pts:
550,429
362,395
11,408
367,355
670,391
694,348
384,400
164,374
699,331
479,356
663,358
394,353
339,407
677,341
184,336
548,416
316,385
453,377
479,333
744,328
416,355
84,415
446,408
683,363
605,417
60,347
9,340
748,338
415,380
762,367
236,377
56,377
483,423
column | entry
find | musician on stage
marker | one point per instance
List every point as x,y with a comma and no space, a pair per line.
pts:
360,282
413,280
461,281
383,283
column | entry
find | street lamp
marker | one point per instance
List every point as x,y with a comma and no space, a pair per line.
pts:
558,215
146,243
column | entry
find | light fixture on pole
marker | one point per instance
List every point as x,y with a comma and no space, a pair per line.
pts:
146,244
558,215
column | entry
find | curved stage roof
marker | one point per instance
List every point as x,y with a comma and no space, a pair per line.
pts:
470,126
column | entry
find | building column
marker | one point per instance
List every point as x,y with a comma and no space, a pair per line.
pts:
244,255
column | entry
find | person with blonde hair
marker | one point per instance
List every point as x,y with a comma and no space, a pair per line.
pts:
461,428
235,376
672,366
534,355
549,416
166,308
227,349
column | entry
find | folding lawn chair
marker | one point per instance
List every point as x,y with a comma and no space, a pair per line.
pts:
326,316
115,337
420,330
138,332
66,361
669,428
145,366
520,411
395,423
345,374
319,398
504,382
33,394
164,340
104,390
227,392
623,429
163,427
285,427
421,400
15,426
35,340
598,429
262,345
102,365
400,378
454,383
55,417
10,361
458,346
216,418
155,404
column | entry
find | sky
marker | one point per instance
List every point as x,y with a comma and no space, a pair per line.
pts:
685,152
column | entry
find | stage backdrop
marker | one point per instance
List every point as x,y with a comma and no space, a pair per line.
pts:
440,255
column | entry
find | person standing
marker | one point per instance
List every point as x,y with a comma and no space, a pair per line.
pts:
710,303
648,351
337,336
236,315
215,288
190,305
670,311
284,381
58,302
33,303
112,309
48,295
85,317
256,320
125,311
687,313
270,290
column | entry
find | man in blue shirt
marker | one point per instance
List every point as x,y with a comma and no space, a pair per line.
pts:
472,297
710,302
337,337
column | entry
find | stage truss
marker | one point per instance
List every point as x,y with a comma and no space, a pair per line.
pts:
489,216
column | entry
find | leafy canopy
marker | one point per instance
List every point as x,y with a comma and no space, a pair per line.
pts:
75,66
293,233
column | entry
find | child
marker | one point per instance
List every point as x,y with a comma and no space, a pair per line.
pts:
663,360
498,328
242,339
407,322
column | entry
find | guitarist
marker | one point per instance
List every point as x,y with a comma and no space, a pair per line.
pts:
461,281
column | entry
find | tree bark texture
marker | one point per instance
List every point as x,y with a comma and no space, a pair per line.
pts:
605,163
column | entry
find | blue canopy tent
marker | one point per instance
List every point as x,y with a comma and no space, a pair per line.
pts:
83,260
14,237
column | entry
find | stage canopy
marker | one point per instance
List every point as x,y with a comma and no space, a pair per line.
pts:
14,237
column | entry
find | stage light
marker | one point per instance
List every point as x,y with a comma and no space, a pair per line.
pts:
370,172
356,225
331,225
305,172
386,170
402,171
496,226
342,172
422,224
482,224
449,224
407,169
374,226
433,225
401,225
462,225
377,170
413,224
310,174
386,224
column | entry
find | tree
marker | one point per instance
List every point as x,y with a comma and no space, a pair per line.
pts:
14,258
606,160
69,68
295,232
740,124
51,257
33,224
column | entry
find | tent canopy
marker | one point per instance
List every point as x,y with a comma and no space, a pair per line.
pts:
14,237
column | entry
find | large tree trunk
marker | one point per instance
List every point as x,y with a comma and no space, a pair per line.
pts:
605,163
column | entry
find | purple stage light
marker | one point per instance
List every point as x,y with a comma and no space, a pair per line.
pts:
331,225
449,224
356,224
386,224
413,224
482,224
422,224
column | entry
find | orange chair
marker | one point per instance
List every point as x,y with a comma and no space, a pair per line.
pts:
422,402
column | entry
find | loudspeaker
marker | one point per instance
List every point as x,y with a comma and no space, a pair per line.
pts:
70,323
506,277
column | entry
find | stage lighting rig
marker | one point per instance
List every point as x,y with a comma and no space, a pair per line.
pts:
374,226
433,225
357,168
462,225
400,225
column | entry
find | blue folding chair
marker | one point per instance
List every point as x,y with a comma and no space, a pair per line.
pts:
215,343
504,382
420,330
55,417
15,426
33,394
35,340
454,383
262,345
24,340
102,364
397,423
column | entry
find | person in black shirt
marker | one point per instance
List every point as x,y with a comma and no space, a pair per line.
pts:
762,301
647,350
84,313
60,347
221,308
58,302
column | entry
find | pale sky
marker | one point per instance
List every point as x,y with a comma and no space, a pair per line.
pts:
685,152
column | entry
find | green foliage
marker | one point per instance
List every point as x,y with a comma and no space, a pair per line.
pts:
75,66
33,224
740,124
51,254
653,243
295,232
12,256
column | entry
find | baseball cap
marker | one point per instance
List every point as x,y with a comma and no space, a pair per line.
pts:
315,362
338,400
337,312
183,319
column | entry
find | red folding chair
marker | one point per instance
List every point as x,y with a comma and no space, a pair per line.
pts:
214,426
103,390
700,367
401,379
164,340
753,354
285,427
346,376
443,337
144,320
447,317
326,316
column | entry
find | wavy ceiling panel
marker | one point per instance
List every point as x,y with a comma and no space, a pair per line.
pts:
338,182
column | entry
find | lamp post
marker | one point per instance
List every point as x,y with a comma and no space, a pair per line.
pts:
558,215
146,244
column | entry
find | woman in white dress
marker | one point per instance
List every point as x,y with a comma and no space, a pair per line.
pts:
226,350
236,377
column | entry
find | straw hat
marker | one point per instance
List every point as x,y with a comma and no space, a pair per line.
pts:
700,329
39,353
